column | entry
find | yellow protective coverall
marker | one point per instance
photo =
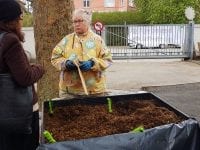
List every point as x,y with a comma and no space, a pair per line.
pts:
82,48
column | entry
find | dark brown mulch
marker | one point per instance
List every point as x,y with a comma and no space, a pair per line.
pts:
86,121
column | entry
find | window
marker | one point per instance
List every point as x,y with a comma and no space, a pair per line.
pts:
86,3
122,3
109,3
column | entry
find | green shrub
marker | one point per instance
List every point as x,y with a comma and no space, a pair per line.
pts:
28,20
118,18
116,35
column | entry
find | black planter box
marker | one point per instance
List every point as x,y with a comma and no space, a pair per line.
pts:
184,135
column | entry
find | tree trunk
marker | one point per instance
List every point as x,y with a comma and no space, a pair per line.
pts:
52,21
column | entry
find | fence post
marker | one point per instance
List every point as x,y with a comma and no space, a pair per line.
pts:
104,32
126,35
191,39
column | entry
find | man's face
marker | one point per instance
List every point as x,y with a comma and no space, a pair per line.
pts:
80,25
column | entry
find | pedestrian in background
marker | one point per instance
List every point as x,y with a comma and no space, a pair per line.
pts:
90,52
13,61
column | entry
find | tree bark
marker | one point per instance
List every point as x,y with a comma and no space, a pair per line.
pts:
52,21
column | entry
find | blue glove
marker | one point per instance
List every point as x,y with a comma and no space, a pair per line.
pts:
70,65
86,65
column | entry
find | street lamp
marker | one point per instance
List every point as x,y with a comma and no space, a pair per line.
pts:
189,13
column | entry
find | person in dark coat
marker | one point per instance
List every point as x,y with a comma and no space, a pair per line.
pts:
14,61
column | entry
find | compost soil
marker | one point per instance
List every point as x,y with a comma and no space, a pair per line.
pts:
87,121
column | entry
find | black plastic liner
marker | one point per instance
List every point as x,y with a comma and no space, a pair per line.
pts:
182,136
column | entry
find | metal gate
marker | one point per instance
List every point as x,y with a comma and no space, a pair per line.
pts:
149,41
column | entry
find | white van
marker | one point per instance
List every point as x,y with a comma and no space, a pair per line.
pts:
156,36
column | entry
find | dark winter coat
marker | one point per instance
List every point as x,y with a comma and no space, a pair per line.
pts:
13,60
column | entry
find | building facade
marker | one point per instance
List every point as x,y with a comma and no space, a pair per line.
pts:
104,5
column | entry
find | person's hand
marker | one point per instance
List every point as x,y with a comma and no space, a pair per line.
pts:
86,65
70,65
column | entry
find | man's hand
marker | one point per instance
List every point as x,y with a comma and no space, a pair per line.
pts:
70,65
86,65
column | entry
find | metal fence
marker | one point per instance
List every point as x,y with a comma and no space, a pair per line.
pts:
149,41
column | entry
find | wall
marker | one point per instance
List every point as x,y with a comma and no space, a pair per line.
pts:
98,5
29,44
197,36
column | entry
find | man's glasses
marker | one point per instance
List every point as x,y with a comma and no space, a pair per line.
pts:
78,21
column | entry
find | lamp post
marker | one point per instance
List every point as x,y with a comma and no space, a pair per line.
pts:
190,15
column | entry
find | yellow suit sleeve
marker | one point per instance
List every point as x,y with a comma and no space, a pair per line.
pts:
57,59
104,60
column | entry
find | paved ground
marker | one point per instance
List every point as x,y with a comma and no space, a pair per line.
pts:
133,75
176,81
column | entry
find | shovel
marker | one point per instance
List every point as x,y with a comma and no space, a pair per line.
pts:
81,76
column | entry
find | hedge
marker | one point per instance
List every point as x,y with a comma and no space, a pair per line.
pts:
118,18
